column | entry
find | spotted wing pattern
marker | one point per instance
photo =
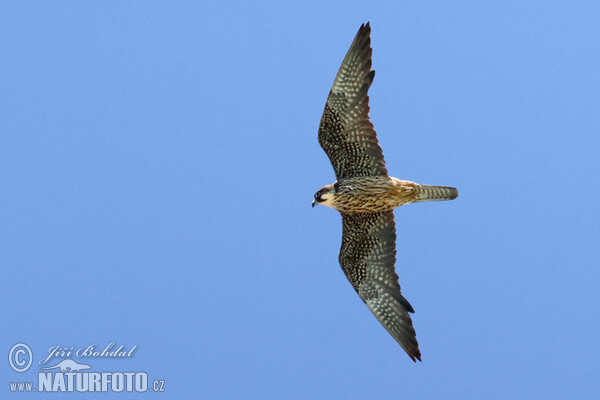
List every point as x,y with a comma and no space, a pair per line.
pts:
345,132
367,257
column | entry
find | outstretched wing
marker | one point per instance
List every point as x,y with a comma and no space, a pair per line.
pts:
367,256
345,132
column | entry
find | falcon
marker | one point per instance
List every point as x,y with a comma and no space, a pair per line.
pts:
365,195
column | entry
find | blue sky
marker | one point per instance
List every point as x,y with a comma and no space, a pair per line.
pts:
159,160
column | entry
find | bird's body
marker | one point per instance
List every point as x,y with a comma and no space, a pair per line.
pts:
372,194
365,195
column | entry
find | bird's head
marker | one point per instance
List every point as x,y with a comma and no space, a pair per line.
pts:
324,196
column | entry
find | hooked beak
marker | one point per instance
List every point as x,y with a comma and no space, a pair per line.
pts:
314,203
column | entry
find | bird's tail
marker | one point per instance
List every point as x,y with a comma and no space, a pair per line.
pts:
435,193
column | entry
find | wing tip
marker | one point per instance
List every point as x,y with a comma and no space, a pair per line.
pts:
362,39
415,356
412,350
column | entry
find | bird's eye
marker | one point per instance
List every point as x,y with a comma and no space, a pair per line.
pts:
318,194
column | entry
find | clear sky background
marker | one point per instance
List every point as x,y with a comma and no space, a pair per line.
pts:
158,161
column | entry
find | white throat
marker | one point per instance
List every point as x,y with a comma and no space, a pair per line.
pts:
327,199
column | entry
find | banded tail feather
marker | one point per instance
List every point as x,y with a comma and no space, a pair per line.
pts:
435,193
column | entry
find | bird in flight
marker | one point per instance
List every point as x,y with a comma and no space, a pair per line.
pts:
365,195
